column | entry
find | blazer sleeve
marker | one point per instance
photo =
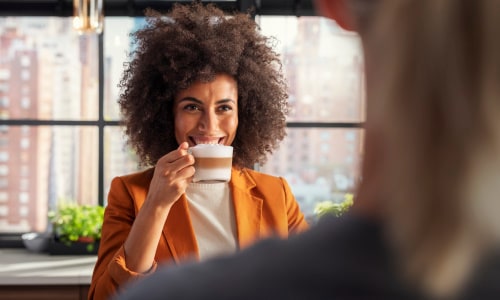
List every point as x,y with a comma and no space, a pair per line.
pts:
111,270
296,220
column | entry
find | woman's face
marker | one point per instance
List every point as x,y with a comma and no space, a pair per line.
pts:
207,113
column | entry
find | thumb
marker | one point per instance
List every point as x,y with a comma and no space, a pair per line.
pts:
183,146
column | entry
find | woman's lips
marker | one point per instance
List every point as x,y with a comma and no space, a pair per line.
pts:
214,141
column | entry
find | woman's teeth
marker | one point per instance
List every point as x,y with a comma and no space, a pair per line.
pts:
214,142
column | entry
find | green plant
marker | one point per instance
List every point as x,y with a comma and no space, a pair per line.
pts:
336,209
73,222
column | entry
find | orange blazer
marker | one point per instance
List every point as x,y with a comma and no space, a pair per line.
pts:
263,206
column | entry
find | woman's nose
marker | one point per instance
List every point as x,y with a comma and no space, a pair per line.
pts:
208,122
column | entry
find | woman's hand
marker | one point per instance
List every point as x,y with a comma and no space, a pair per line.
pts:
173,172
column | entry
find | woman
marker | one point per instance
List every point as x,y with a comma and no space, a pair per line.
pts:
196,77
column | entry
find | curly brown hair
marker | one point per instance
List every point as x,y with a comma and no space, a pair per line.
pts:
194,43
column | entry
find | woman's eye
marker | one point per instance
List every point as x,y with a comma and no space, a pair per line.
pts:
191,107
225,108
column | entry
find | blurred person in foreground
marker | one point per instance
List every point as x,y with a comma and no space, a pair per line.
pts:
198,76
424,224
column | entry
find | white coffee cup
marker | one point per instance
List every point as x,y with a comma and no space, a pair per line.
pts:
212,162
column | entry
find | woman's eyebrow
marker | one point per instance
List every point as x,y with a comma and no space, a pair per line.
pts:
189,98
225,100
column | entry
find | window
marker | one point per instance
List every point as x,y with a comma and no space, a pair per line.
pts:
4,211
59,118
4,170
4,102
25,61
4,74
52,145
4,156
25,75
325,76
24,198
25,102
23,185
23,211
25,143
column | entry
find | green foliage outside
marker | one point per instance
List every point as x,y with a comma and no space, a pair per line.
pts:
336,209
72,221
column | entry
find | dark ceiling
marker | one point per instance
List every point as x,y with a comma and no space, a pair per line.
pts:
133,8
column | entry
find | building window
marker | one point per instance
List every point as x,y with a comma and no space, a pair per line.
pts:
25,102
23,211
4,196
24,170
4,87
4,102
4,156
24,184
4,170
24,198
4,74
4,211
25,75
25,61
25,130
4,182
25,143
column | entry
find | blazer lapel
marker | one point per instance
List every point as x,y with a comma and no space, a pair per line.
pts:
179,232
247,208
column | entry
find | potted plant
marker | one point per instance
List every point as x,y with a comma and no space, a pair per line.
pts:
336,209
76,225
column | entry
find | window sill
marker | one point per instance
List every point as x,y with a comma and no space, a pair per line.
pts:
21,267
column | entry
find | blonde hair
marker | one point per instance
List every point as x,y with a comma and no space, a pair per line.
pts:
434,104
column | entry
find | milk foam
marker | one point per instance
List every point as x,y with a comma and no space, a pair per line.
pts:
211,150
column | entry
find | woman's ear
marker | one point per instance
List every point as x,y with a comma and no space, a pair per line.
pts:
337,10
